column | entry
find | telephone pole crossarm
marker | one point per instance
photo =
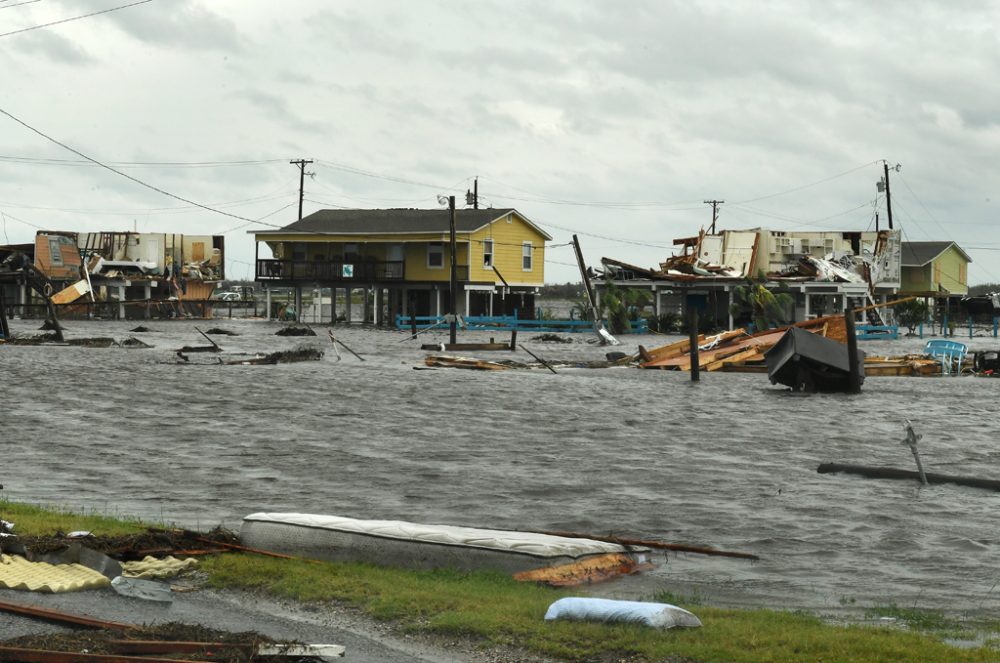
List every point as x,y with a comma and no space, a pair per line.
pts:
715,212
301,163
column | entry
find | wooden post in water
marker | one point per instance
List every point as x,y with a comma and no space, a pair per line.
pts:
513,340
912,437
693,342
413,324
854,370
4,328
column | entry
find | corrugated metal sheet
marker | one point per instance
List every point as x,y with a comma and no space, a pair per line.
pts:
18,573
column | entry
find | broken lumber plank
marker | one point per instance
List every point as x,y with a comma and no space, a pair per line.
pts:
61,617
49,656
912,475
738,355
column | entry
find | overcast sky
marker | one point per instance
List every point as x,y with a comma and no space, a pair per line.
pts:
612,120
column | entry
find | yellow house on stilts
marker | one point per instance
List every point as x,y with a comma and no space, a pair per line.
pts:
401,260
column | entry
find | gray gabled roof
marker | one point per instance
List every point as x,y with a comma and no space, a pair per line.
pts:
388,221
918,254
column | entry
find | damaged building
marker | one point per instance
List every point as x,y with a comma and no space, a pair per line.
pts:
124,274
824,272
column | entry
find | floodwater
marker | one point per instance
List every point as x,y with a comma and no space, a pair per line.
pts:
728,462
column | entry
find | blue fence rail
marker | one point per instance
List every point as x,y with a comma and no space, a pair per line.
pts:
877,332
511,322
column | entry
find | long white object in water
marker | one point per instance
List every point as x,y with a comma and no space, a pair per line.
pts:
401,543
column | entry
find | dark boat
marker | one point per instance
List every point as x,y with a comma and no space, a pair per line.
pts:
809,362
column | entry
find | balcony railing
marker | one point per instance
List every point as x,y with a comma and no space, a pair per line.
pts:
305,270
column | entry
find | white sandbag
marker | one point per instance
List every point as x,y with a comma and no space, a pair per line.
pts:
657,615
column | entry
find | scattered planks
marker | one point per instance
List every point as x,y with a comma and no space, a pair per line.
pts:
465,347
736,348
464,362
911,475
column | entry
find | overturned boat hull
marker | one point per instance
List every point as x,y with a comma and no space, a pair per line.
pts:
415,545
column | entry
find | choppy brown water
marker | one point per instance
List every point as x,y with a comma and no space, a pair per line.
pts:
728,462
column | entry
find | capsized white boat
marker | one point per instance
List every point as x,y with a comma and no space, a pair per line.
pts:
529,555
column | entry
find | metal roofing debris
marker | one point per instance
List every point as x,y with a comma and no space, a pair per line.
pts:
151,567
18,573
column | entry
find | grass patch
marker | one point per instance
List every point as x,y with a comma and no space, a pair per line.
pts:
915,618
34,520
495,610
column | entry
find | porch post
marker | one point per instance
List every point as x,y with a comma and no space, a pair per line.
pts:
729,308
121,302
437,301
467,293
24,301
348,304
267,303
298,303
805,294
149,295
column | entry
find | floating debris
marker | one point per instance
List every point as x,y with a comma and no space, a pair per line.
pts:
221,332
293,330
140,329
132,342
200,348
552,338
284,357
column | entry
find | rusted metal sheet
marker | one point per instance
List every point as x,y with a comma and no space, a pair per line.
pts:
61,617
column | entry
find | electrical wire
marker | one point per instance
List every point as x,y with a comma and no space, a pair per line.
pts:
126,175
74,18
26,2
41,161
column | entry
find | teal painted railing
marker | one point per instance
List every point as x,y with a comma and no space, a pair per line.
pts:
510,322
877,332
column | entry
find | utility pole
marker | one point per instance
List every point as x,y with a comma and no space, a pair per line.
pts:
888,198
472,197
301,163
454,274
715,212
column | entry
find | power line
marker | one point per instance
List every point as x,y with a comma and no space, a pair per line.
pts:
806,186
74,18
26,2
126,175
136,164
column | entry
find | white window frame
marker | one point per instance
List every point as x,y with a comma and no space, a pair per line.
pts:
527,252
488,254
431,246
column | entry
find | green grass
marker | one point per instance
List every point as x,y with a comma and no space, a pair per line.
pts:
44,521
495,610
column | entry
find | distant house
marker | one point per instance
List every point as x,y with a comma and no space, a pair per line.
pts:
824,272
129,270
934,269
402,258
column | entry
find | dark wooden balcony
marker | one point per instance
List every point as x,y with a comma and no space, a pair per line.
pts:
362,271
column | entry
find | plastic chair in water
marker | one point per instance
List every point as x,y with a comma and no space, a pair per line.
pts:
948,353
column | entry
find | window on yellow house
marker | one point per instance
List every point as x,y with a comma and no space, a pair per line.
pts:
435,255
526,257
487,253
